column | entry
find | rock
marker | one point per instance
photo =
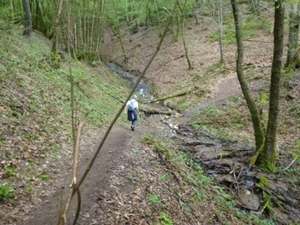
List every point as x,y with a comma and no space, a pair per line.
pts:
249,200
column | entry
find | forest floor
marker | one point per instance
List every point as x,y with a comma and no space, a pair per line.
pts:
118,186
129,182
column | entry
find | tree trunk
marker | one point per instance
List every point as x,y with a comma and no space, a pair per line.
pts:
11,8
258,132
119,33
55,26
28,20
268,156
220,20
292,54
183,37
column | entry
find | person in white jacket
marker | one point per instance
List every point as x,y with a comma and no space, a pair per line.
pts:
132,110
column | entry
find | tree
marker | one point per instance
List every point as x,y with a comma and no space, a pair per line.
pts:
266,153
257,126
181,8
220,22
28,20
55,25
268,156
292,54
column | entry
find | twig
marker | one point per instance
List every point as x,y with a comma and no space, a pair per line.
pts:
293,161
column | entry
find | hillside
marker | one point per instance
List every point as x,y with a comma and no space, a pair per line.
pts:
131,183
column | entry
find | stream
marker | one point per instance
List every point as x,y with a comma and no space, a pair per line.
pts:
142,88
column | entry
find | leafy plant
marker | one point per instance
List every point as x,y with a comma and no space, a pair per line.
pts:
165,220
6,192
154,199
10,171
44,177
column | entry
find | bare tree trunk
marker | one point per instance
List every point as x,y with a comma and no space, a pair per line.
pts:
55,26
258,131
292,54
183,37
119,34
69,11
11,8
220,20
28,19
268,156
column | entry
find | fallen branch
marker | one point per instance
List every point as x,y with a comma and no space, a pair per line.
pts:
195,143
172,96
168,167
294,160
154,111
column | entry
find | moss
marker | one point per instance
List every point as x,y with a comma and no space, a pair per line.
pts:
268,166
263,182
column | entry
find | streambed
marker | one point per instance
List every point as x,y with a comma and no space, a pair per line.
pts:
255,191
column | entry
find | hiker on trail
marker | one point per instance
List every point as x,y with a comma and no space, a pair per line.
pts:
132,110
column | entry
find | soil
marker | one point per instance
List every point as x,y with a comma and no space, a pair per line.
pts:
115,190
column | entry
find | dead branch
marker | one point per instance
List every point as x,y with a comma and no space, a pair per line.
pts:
172,96
168,167
195,143
293,161
155,111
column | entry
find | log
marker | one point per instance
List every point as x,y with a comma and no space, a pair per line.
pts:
155,111
172,96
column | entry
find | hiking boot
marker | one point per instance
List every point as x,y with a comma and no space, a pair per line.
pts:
132,128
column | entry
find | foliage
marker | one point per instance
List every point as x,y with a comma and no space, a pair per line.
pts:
44,177
6,192
154,199
263,182
10,171
164,219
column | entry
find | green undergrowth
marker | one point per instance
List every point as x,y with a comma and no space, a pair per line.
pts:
190,189
251,25
35,104
197,89
227,121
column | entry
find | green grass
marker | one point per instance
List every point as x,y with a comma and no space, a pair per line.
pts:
6,192
251,25
154,199
44,177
